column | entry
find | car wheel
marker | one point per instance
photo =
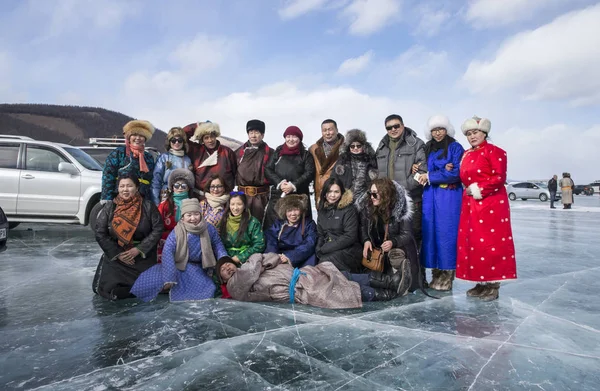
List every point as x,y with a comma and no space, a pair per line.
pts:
543,197
94,215
512,196
13,225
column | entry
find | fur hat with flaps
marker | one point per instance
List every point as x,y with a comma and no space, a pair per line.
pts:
139,127
176,132
476,123
291,201
182,174
204,129
356,136
221,262
439,121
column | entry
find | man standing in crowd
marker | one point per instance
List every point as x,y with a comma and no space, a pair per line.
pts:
552,187
400,155
252,158
325,152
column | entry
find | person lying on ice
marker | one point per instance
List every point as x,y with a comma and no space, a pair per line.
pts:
266,277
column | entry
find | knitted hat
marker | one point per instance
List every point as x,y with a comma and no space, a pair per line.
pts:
182,174
190,205
176,132
476,123
438,121
139,127
255,124
220,263
204,129
293,131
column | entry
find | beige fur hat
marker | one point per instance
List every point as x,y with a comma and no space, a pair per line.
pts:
482,124
439,121
203,129
291,201
139,127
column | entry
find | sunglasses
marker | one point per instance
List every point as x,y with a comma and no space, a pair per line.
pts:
176,140
356,146
237,193
182,186
373,195
396,126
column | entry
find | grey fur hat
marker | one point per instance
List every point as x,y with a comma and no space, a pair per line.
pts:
182,174
291,201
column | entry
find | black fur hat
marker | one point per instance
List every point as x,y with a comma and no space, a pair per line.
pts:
255,124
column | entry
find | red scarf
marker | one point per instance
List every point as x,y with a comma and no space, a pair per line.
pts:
138,153
290,151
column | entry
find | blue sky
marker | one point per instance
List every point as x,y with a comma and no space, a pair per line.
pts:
531,66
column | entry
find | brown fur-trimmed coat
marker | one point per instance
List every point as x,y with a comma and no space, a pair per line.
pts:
324,165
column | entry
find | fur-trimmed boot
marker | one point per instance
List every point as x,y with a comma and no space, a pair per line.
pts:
445,280
490,291
384,295
435,277
476,291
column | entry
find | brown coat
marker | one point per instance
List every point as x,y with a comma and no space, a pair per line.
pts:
324,165
264,278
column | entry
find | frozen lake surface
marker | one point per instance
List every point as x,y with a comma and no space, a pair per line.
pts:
542,334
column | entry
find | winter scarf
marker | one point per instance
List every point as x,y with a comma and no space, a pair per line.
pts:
138,153
126,218
433,146
290,151
177,198
182,252
177,152
233,224
328,154
216,202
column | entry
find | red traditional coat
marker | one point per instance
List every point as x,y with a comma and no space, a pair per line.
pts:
486,250
169,224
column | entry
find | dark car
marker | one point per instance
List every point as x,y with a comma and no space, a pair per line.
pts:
583,189
3,230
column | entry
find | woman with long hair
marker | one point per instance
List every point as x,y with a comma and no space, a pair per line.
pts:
181,187
175,158
216,193
385,213
442,197
189,258
337,227
486,250
128,229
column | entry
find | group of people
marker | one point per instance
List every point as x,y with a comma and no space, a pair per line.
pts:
567,186
205,221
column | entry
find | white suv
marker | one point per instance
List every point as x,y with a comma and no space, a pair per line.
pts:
41,181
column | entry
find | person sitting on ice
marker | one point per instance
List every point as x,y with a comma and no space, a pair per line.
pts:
188,260
269,277
294,235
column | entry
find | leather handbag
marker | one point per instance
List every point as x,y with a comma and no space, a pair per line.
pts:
375,258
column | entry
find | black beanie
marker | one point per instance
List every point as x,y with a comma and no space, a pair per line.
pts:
255,124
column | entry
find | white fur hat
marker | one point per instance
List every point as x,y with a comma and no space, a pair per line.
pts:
438,121
482,124
203,129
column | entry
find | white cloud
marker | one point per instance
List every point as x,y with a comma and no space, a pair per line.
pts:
369,16
431,21
557,61
418,62
296,8
352,66
491,13
202,53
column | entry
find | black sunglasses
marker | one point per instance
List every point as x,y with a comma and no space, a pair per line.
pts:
355,146
373,195
176,140
396,126
183,186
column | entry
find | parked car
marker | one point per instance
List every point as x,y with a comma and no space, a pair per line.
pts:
528,190
583,189
48,182
100,148
3,230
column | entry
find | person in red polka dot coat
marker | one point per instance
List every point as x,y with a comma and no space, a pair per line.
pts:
485,248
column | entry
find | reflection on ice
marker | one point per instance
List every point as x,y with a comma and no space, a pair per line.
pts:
542,333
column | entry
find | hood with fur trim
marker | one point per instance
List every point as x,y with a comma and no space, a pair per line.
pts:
182,174
356,136
439,121
140,127
203,129
402,208
291,201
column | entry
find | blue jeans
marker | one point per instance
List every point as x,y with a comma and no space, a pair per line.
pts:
552,198
367,293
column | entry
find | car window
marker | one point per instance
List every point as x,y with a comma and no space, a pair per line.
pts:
519,185
42,159
84,159
98,154
9,155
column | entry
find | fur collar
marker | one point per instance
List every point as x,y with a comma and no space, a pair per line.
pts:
402,209
326,163
346,199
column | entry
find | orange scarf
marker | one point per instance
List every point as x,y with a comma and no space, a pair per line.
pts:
138,153
126,218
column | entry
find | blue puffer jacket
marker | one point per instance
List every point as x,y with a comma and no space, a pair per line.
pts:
166,163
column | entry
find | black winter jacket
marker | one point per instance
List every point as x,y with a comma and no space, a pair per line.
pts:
552,185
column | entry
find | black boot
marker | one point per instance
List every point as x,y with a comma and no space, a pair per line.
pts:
379,280
384,295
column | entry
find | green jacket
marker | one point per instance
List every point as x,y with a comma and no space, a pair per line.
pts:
252,242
